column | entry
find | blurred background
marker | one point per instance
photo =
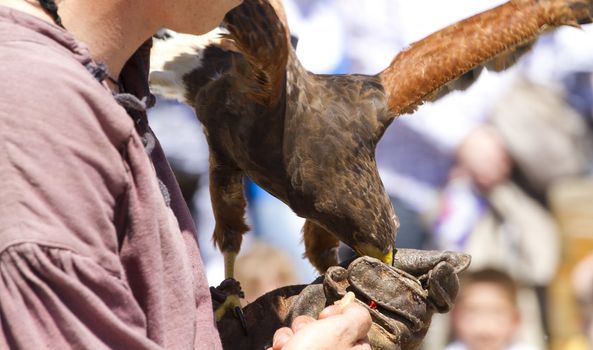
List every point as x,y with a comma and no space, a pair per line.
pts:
503,171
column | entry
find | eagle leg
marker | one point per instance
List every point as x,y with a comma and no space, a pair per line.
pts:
228,205
321,247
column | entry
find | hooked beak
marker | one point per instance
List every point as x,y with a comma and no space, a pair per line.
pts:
374,252
388,258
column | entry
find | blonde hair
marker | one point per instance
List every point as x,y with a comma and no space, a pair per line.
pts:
263,262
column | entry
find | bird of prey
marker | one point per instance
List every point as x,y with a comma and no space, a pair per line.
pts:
310,139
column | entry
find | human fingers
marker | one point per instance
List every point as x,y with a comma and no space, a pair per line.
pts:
338,306
343,331
354,323
301,322
363,344
281,337
332,310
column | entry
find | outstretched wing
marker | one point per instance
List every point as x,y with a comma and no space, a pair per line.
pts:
453,57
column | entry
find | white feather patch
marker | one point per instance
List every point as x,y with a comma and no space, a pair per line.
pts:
172,58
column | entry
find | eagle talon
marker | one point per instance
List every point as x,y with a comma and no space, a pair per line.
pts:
231,303
226,297
238,312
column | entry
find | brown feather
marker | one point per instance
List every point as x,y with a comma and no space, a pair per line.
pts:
261,37
417,74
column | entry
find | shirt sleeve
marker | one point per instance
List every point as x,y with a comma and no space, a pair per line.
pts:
53,298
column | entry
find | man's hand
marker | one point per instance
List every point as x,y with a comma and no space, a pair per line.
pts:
338,327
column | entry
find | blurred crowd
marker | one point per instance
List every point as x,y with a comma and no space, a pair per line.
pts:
477,171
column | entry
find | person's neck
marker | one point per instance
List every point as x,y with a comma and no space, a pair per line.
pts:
112,33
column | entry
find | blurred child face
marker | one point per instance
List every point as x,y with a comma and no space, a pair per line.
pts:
485,318
262,269
265,282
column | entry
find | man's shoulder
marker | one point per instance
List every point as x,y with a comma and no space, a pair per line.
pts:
33,55
49,78
25,61
42,82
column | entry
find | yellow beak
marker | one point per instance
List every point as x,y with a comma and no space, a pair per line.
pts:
388,258
374,252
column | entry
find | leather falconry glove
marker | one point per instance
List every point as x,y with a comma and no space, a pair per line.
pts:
401,299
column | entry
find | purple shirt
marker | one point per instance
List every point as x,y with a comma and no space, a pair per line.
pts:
91,253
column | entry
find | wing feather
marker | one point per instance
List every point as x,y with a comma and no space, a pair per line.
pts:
453,57
261,36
